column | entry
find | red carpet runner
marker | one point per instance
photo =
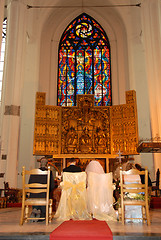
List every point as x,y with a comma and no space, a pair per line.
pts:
78,230
14,204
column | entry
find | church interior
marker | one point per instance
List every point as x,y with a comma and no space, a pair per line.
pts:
79,79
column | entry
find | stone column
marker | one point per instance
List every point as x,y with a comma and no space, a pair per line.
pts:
12,90
1,27
152,31
1,20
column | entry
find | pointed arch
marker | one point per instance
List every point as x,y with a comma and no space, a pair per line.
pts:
84,63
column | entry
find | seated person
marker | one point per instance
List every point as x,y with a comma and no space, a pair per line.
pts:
40,211
100,192
72,166
138,167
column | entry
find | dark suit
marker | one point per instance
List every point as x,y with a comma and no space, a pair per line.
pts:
41,179
143,178
72,168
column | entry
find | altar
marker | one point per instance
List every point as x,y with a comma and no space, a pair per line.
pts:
86,131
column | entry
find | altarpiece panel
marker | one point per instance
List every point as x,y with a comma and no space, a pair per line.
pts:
86,130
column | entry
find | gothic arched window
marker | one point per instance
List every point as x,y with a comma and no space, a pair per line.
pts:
84,63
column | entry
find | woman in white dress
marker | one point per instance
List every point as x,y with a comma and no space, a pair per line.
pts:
100,192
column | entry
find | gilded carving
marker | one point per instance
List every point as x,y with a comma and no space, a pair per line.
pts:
124,126
86,129
40,98
47,127
130,97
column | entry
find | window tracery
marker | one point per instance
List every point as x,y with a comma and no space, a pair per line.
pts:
84,63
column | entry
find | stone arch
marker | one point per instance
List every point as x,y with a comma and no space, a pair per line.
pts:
52,31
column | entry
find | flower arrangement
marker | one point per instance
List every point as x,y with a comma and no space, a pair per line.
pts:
134,196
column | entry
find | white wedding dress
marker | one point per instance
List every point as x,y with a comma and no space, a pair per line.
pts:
100,196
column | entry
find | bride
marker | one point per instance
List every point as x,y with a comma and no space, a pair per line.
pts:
100,192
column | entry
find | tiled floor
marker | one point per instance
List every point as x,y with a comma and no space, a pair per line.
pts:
9,223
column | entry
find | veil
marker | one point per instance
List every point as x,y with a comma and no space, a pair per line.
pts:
94,166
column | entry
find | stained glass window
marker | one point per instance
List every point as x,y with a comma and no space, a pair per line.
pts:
84,63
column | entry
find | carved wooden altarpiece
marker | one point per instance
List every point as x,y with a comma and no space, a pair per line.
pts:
86,131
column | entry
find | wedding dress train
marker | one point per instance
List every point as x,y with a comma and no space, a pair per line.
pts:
100,196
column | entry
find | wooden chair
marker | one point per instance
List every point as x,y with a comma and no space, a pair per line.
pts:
155,184
3,202
140,191
35,188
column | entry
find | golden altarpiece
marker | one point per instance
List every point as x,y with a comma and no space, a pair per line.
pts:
86,131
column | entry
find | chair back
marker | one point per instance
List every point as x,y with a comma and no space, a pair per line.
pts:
130,181
72,203
35,192
133,192
35,188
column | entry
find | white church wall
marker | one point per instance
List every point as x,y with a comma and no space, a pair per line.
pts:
151,19
1,20
2,168
138,79
35,60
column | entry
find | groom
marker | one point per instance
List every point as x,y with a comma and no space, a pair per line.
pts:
72,166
